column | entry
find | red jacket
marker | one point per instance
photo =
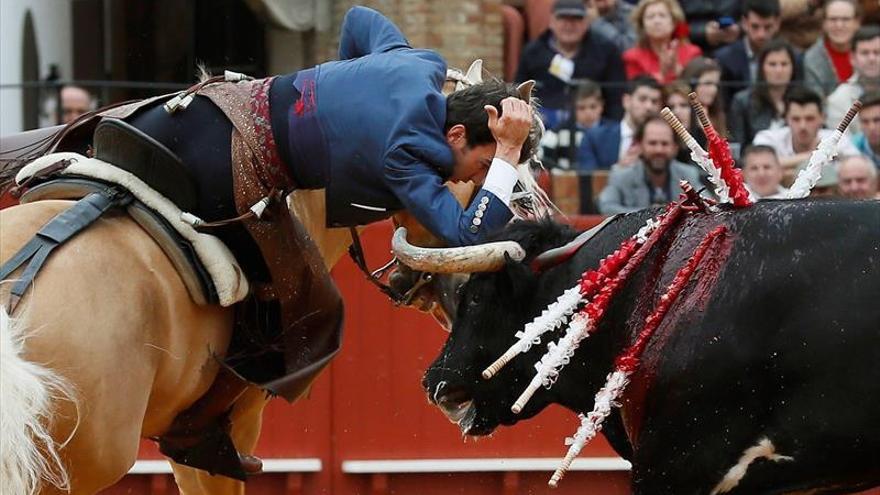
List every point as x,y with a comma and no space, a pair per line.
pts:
638,60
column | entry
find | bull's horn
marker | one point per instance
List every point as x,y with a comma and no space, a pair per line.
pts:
468,259
475,72
525,90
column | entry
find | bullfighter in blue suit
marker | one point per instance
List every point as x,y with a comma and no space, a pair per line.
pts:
376,132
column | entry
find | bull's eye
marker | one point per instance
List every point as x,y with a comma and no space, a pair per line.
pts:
475,299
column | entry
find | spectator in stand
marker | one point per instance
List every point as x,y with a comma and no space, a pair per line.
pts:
761,106
865,57
795,142
588,114
612,18
675,96
653,178
567,52
739,60
868,141
663,50
606,145
75,101
827,62
857,178
712,23
762,172
704,76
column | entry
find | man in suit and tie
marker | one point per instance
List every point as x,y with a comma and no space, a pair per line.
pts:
610,143
653,178
738,60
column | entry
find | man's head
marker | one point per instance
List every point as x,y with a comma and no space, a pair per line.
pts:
642,98
760,22
803,114
842,18
761,170
589,104
75,101
865,54
569,22
857,178
869,119
603,7
467,128
657,142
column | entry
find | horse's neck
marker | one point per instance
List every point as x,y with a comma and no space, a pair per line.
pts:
310,209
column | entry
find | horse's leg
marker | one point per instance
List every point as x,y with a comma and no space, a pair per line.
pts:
109,313
247,418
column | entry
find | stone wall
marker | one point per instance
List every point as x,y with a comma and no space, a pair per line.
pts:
460,30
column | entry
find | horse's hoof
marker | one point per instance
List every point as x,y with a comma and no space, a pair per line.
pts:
251,464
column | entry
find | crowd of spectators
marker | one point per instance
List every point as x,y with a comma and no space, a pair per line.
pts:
776,77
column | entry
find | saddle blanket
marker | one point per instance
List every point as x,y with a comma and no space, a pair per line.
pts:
226,274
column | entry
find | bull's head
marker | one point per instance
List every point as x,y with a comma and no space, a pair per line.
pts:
492,307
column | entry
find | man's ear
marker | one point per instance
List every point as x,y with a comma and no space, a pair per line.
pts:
456,136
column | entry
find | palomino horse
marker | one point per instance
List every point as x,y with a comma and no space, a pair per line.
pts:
108,347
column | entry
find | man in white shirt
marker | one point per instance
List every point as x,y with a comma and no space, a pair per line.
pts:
865,57
795,142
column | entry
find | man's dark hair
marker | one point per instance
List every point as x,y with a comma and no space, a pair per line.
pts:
640,130
466,107
801,96
758,148
870,99
865,33
642,81
762,8
588,89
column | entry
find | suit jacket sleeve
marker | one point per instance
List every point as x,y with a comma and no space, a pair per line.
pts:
422,192
366,31
587,156
611,198
737,120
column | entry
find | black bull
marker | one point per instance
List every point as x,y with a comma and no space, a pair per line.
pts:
772,348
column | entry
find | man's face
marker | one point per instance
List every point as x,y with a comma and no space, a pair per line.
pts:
804,121
759,30
855,180
74,102
658,146
569,29
588,111
866,58
840,23
472,162
763,173
642,102
869,120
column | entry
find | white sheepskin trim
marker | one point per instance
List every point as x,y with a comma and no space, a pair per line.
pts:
229,280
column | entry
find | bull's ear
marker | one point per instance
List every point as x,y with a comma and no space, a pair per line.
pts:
520,277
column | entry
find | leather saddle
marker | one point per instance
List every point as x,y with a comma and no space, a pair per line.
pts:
128,148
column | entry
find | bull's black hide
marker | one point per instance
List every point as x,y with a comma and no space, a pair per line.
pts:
776,337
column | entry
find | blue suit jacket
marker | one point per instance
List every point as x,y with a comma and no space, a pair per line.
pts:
382,114
600,147
734,62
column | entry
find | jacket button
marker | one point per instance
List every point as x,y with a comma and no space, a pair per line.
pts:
477,221
478,213
474,229
484,200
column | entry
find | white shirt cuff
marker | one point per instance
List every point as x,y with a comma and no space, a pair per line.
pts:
500,180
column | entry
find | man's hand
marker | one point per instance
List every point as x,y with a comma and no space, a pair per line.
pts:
511,129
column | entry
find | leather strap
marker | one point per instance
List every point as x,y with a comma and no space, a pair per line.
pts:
56,232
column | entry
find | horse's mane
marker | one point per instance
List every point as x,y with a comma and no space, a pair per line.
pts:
536,236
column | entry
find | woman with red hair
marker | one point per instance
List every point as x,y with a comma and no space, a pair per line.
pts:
663,49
